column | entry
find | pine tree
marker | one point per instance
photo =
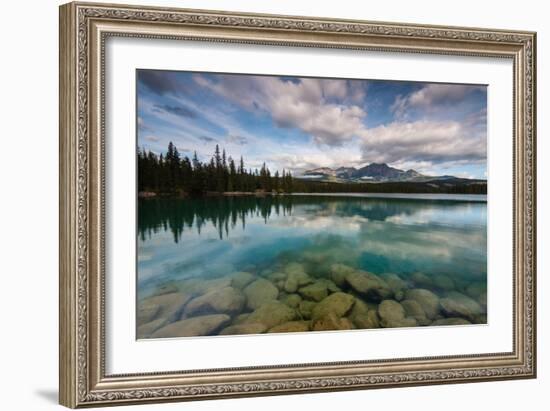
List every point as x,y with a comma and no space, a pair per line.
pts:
211,176
232,175
241,177
186,174
173,167
276,183
289,182
217,157
197,182
225,172
241,166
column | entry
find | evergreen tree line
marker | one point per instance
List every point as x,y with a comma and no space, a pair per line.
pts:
170,173
431,187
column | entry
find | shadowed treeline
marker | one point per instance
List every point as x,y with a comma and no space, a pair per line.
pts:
168,173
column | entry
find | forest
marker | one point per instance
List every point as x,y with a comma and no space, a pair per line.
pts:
171,174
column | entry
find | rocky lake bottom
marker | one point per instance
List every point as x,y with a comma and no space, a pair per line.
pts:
291,300
315,266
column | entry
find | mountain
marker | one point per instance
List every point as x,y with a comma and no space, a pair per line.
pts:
379,172
372,173
345,172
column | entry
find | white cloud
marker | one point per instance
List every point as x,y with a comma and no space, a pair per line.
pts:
432,97
323,108
425,142
331,112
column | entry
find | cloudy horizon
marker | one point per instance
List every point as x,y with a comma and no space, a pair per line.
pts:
298,123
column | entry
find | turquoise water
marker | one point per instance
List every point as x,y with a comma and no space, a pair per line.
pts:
431,242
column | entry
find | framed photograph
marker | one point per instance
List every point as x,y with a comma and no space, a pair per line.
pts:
258,204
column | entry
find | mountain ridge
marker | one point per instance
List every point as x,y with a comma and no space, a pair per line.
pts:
373,173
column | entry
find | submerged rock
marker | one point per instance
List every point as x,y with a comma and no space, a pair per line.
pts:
331,286
406,322
482,299
456,304
427,300
476,289
305,309
392,314
165,289
227,300
395,283
239,319
370,285
480,319
414,309
363,315
421,280
390,311
271,314
294,268
331,322
444,282
280,285
266,272
451,321
316,291
296,277
338,304
259,292
359,308
276,276
145,330
251,328
366,320
167,306
147,311
339,273
241,279
290,285
292,300
291,326
195,326
199,286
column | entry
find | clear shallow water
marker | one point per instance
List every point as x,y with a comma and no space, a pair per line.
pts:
182,242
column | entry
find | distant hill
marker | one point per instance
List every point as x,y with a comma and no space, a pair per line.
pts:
380,173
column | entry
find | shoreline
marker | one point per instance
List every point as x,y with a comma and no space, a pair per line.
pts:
482,198
404,196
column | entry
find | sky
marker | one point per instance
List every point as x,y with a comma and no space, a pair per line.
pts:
299,123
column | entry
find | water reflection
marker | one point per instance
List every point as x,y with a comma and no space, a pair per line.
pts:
208,236
380,253
229,213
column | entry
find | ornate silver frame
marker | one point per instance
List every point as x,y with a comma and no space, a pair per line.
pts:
83,30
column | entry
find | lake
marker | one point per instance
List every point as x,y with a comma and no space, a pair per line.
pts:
254,264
